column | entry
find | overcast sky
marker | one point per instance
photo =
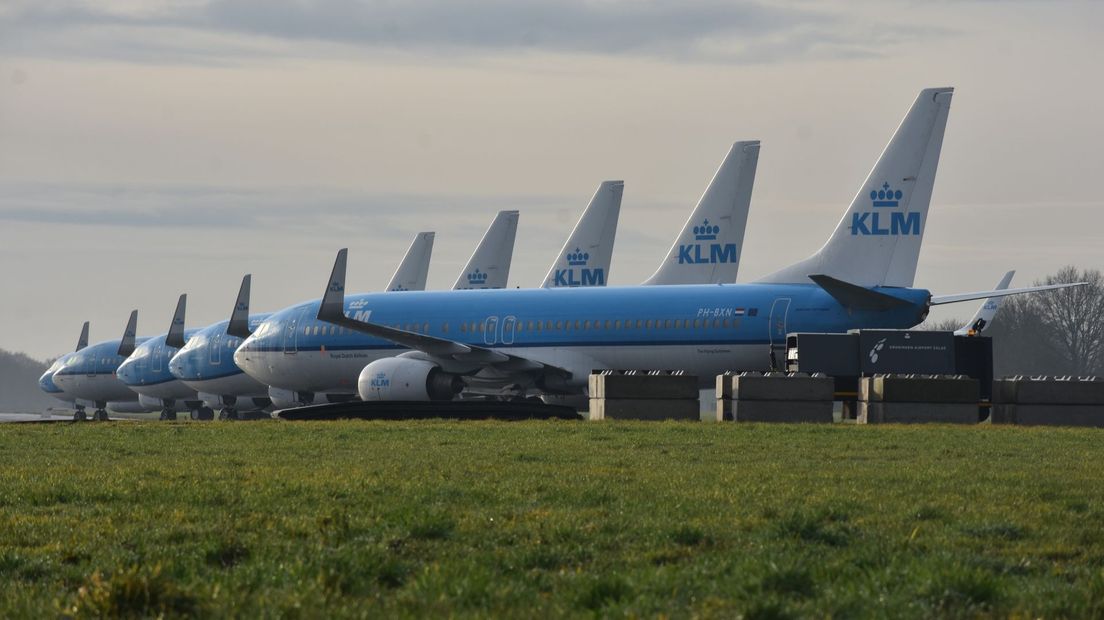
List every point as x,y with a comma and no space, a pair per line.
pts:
149,148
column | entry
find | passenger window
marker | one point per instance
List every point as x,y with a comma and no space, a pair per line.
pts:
667,324
480,328
306,330
444,327
647,324
697,323
576,323
586,324
425,328
724,323
559,324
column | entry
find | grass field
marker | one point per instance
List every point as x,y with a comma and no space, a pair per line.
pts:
549,519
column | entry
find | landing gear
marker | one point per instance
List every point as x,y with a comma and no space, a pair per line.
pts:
80,415
100,415
228,413
168,414
203,413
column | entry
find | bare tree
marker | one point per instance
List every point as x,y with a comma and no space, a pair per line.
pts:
1057,332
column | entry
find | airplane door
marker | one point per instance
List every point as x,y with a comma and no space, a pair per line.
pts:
216,349
779,309
509,324
291,335
157,358
490,330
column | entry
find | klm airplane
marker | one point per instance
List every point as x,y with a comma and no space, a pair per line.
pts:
146,371
205,363
510,343
88,375
46,381
985,313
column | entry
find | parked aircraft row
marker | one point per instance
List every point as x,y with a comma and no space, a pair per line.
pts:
482,340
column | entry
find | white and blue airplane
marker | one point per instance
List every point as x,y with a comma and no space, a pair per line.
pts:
88,375
146,371
206,364
203,364
46,381
512,342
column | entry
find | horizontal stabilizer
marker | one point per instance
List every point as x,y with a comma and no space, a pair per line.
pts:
239,316
82,342
938,300
856,297
126,344
175,337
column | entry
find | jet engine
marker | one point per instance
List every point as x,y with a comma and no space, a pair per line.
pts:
397,378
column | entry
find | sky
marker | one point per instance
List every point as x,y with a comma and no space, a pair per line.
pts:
154,147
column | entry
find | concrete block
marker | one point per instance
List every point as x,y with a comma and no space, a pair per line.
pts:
916,389
644,409
778,386
914,413
1049,392
639,386
1049,415
782,411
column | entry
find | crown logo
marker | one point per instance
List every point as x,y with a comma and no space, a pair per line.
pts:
706,231
885,197
241,307
335,287
578,257
477,278
400,288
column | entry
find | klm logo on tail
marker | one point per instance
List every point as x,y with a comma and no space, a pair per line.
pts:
581,276
874,222
699,253
477,278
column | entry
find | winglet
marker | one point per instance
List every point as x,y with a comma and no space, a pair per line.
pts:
126,345
82,342
175,337
332,308
856,297
986,311
239,316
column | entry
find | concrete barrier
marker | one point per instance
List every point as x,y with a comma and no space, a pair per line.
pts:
1049,401
644,409
912,399
652,395
775,397
663,384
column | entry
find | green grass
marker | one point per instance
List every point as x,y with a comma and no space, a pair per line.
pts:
550,519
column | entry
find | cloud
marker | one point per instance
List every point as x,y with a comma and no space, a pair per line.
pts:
709,30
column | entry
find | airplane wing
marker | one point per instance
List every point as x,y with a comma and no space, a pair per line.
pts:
126,344
938,300
332,310
175,337
239,316
986,311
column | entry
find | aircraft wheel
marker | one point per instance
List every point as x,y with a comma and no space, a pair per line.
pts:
194,414
100,415
206,413
80,416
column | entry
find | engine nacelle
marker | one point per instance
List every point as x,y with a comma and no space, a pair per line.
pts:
398,378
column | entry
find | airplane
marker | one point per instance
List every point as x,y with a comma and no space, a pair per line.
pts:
46,381
146,371
88,375
986,311
206,364
508,343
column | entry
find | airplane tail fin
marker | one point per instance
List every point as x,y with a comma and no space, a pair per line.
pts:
82,342
175,337
877,243
584,260
489,265
126,344
239,316
986,311
707,250
414,268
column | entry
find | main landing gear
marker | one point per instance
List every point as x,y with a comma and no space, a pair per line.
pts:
79,415
100,415
228,413
203,413
168,414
